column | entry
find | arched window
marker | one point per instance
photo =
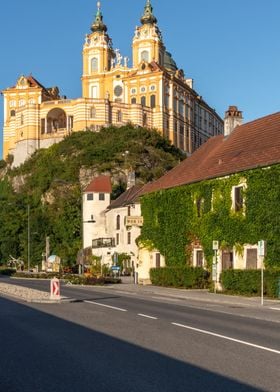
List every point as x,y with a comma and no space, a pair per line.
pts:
145,56
94,64
92,113
22,102
22,119
133,100
118,222
12,113
153,101
119,116
143,101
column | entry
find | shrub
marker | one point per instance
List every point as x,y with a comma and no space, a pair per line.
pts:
90,280
181,277
7,271
248,282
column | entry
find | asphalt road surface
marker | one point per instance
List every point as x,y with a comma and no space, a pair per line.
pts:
108,341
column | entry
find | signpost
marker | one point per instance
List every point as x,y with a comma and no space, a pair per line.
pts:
261,255
215,247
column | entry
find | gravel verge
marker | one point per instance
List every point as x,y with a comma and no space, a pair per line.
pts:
25,293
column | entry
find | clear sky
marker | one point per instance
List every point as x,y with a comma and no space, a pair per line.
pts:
230,48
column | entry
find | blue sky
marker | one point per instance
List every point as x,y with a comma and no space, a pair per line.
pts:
230,49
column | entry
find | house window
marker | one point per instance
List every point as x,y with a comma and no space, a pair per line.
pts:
118,222
199,207
199,256
101,196
90,196
251,258
153,101
94,64
238,201
227,260
128,238
157,260
128,211
117,239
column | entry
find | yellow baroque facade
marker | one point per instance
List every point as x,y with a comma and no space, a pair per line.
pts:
152,93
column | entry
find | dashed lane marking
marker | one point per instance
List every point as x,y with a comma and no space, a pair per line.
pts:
227,338
105,306
147,316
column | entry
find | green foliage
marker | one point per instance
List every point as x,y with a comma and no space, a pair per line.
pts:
248,282
172,221
90,281
181,277
7,271
52,188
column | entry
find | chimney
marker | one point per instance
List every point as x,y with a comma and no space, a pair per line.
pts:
233,118
130,179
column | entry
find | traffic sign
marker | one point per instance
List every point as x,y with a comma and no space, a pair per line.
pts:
55,288
115,268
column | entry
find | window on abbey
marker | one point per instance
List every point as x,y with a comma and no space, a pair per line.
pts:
133,100
94,64
22,119
92,113
143,101
153,101
145,56
12,113
119,116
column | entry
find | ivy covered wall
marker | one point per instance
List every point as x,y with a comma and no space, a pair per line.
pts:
174,218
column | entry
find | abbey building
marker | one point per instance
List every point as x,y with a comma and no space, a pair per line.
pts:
153,92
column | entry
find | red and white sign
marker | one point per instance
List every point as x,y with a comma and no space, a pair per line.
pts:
55,288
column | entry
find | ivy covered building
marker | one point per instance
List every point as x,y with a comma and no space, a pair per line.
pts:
228,191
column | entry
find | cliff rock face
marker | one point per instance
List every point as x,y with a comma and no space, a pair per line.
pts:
18,182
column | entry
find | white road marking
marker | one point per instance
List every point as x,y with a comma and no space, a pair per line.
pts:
275,308
227,338
145,315
106,306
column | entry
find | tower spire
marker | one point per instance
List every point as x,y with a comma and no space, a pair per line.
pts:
98,24
148,16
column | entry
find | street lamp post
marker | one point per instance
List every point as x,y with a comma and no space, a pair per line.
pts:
28,237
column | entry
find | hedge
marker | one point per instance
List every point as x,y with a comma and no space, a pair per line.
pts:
248,282
7,271
181,277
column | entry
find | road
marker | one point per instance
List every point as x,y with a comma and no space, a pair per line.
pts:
108,341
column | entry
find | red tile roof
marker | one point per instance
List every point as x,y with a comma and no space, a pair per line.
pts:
100,184
130,196
251,145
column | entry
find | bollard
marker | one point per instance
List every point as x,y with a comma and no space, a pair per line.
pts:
55,289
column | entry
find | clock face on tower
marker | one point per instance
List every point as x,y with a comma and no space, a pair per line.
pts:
118,90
